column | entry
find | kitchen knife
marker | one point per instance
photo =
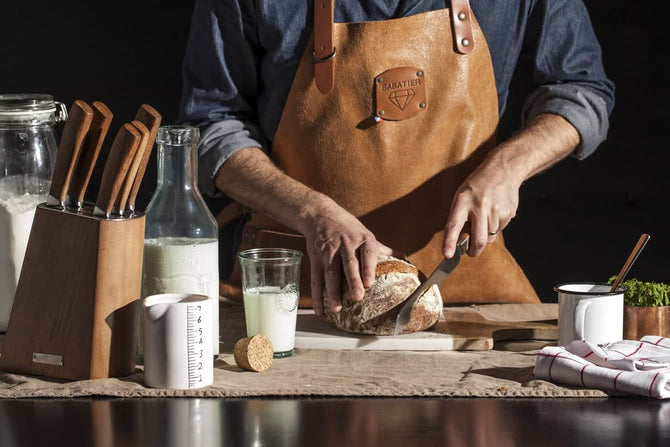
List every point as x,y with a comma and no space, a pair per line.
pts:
148,116
88,155
437,277
119,159
122,198
74,133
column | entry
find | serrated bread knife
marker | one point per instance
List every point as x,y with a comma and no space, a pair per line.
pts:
437,277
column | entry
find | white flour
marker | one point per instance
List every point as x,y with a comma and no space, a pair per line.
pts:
16,219
182,265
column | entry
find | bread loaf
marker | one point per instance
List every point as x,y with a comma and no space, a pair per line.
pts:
395,280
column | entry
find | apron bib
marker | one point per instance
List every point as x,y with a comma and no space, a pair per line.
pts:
410,111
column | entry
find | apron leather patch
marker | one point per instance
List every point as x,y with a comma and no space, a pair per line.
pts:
400,93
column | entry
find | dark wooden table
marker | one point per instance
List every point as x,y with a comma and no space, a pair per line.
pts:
335,422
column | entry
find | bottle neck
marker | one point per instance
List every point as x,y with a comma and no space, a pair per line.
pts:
177,167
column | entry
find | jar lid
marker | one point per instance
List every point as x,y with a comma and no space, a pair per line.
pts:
31,108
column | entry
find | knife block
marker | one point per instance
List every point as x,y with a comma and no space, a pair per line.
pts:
77,300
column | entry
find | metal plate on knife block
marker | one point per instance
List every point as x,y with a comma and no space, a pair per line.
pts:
77,299
461,328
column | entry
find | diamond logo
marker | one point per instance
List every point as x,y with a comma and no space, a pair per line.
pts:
400,98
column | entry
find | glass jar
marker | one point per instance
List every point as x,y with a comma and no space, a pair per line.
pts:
27,155
181,248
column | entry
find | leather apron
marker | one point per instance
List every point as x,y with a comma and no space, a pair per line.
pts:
398,114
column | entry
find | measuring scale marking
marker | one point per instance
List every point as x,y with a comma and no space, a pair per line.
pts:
195,341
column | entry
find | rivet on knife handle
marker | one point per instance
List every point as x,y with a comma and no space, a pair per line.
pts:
102,117
443,270
72,138
122,198
118,162
148,116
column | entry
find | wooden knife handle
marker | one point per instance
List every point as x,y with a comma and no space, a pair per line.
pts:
128,182
102,117
148,116
120,157
74,133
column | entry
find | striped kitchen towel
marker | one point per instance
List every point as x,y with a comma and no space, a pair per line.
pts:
635,367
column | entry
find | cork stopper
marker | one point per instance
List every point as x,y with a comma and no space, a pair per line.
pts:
253,353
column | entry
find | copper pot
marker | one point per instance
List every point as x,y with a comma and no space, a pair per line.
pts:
641,321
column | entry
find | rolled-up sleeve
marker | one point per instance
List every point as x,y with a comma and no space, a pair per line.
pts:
568,74
221,84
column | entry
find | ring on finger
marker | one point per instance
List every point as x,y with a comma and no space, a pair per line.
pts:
493,233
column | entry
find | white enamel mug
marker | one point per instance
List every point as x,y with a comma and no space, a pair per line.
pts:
177,341
589,311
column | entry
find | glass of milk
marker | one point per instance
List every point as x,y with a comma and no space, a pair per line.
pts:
270,284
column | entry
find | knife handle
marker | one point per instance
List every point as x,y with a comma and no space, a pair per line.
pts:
74,133
120,157
102,117
122,199
148,116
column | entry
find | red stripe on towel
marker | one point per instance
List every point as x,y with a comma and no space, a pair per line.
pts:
659,340
584,356
634,352
581,375
652,384
616,377
555,356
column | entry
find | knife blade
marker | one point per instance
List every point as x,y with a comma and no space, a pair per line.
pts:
102,117
122,198
437,277
74,133
148,116
118,162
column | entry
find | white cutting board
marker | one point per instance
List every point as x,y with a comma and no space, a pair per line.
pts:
460,328
314,333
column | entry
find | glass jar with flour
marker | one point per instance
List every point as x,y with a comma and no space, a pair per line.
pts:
181,249
27,154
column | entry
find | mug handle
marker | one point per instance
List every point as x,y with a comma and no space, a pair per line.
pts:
580,314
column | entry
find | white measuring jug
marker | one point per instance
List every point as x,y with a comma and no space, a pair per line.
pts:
177,341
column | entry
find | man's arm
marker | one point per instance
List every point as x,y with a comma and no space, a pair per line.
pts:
335,239
489,197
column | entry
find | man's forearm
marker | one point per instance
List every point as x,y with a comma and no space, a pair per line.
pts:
548,139
252,179
489,197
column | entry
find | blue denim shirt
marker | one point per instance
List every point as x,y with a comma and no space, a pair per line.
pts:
242,56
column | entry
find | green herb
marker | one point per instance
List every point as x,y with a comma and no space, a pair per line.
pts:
645,294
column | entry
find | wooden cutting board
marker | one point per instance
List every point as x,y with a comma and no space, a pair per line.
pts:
474,327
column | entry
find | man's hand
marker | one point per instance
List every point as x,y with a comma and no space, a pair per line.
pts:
487,200
489,197
335,239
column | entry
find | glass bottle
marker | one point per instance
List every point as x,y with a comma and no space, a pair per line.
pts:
181,248
27,154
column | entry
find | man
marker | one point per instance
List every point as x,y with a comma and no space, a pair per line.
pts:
375,135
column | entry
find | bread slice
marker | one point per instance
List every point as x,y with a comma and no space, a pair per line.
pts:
395,280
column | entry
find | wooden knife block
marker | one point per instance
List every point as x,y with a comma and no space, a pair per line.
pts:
77,300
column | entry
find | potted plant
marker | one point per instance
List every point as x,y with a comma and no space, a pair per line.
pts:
646,309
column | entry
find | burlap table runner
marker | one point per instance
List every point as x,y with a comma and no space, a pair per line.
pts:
506,371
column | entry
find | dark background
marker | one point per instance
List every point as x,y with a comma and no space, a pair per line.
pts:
576,222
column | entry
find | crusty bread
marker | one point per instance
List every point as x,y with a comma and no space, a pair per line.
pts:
395,280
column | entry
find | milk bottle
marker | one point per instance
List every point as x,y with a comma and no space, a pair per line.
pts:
181,249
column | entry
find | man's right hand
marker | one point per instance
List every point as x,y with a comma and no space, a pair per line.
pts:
336,240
